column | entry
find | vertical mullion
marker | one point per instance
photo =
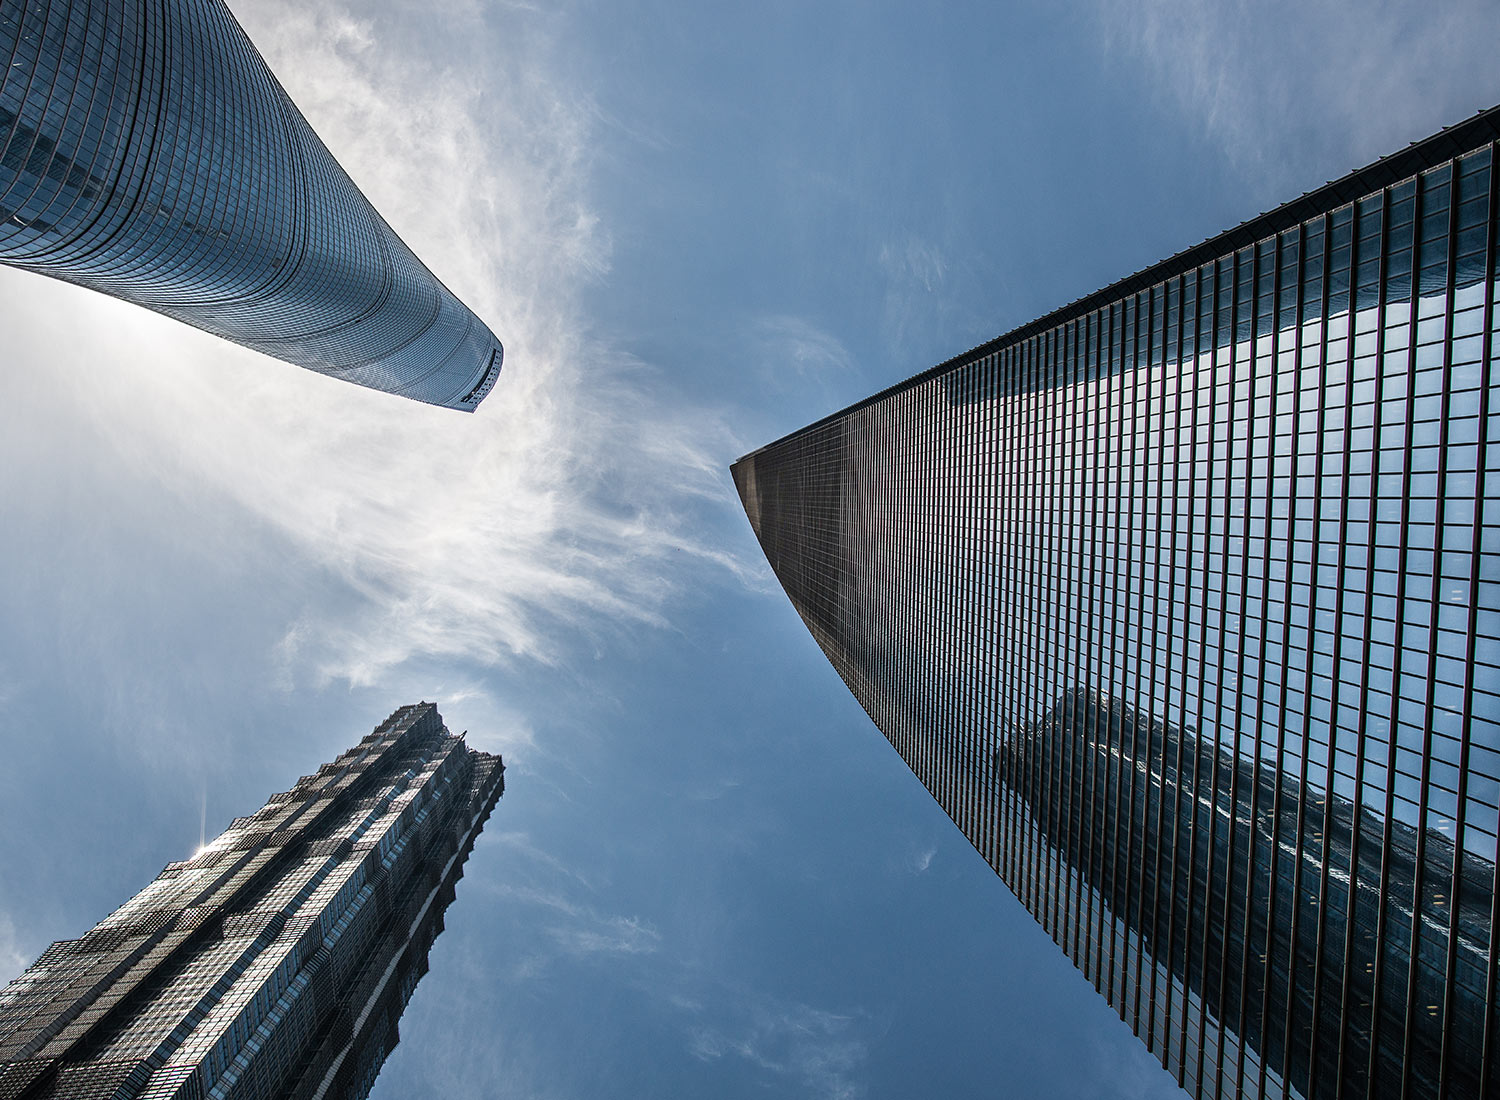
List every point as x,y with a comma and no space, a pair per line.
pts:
1109,659
1471,630
1356,832
1399,662
986,733
1201,415
1115,722
962,597
1160,661
1049,612
941,734
1329,824
1098,719
1024,830
1176,582
1146,660
989,571
1301,807
1035,793
1490,1052
1278,261
1226,429
963,594
1074,714
1245,421
1026,400
1098,650
1005,793
1040,539
1072,631
1435,598
1131,658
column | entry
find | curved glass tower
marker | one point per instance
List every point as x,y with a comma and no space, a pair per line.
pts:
147,152
1184,603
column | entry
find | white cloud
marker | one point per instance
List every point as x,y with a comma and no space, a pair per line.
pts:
788,343
1287,85
914,261
568,509
12,959
914,269
818,1050
522,847
576,930
610,936
571,932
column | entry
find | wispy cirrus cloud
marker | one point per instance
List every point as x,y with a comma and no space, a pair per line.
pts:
576,930
788,343
1276,81
12,959
612,936
572,507
566,505
819,1051
750,1030
914,269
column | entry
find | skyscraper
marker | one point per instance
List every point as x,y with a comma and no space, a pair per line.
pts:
1184,603
147,152
276,961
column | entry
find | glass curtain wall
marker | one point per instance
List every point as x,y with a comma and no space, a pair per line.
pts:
147,152
1184,603
277,960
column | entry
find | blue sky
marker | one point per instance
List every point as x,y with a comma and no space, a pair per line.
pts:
696,227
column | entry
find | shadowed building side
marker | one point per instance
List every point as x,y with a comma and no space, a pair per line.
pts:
277,960
1217,860
147,152
1183,601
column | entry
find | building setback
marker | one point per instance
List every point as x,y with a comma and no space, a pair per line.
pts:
1184,603
147,152
276,961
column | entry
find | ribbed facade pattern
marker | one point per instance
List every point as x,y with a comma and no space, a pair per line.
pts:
1184,603
276,961
147,152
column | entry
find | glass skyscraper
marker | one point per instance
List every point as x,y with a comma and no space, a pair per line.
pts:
1184,603
276,961
147,152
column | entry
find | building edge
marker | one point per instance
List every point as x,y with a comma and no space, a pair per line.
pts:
1483,126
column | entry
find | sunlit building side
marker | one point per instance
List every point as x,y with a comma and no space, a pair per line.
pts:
147,152
277,960
1184,603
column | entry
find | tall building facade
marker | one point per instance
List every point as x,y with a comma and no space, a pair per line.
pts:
147,152
277,960
1184,603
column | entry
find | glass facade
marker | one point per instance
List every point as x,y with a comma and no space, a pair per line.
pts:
147,152
277,960
1184,603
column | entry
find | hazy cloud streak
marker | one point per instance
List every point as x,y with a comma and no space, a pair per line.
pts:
12,959
819,1050
568,507
1271,80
